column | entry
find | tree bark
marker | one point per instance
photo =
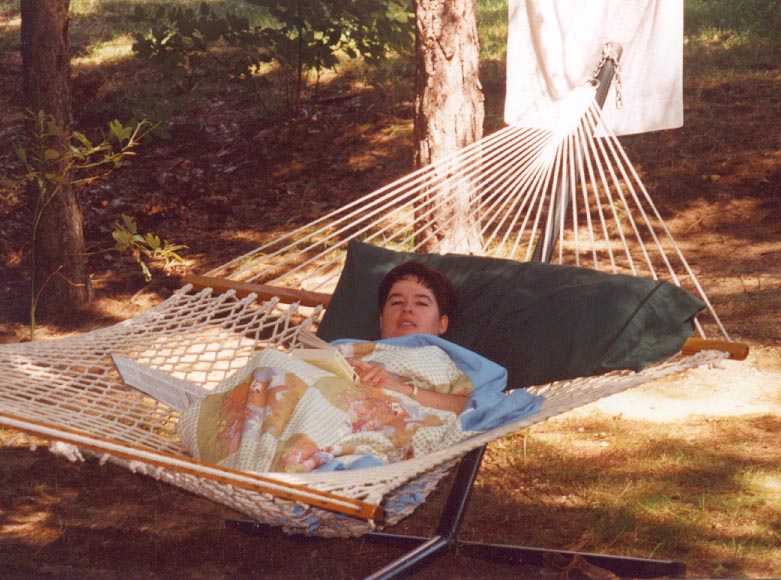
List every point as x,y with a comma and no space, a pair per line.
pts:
60,265
449,111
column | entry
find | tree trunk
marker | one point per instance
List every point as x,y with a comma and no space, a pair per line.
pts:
449,111
60,265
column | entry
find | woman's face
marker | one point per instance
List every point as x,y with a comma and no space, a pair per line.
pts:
411,309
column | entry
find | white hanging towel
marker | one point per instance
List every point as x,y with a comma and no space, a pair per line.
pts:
553,46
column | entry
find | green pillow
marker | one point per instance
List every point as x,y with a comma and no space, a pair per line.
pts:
542,322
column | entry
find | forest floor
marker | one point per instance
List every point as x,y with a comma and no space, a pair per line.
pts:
226,180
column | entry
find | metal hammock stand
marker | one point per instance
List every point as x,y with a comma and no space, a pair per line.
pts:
67,391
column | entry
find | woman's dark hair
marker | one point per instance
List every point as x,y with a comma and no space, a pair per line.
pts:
433,279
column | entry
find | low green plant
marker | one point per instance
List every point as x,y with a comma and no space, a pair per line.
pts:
80,163
305,36
144,247
183,41
312,33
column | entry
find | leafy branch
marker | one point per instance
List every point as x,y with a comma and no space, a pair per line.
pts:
55,158
128,240
304,36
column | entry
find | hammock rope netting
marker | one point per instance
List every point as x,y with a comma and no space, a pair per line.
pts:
67,390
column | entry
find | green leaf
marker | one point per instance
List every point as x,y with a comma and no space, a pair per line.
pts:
81,138
53,129
152,241
122,238
120,132
129,222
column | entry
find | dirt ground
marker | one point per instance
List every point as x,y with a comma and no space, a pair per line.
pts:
718,180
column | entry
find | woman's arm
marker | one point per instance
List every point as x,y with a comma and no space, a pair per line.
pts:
372,375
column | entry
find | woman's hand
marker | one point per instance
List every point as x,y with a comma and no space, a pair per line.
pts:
375,376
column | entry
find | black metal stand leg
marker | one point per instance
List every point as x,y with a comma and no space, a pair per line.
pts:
424,550
621,566
449,524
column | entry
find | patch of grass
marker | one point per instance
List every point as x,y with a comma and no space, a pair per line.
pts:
492,28
698,492
723,37
745,19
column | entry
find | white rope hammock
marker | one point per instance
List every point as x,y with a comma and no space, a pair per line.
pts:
68,391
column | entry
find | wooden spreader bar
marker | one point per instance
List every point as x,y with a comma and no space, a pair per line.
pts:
263,291
736,350
245,480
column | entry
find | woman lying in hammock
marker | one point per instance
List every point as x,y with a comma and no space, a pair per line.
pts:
414,393
415,298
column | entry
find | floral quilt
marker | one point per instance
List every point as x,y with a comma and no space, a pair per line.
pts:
283,414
